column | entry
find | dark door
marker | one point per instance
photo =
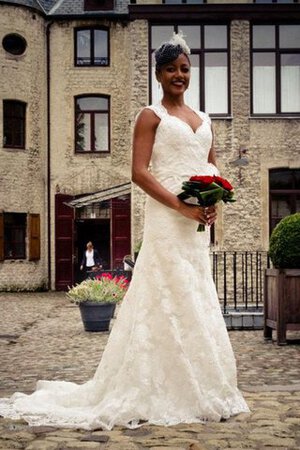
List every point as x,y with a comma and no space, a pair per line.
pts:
64,223
98,232
120,230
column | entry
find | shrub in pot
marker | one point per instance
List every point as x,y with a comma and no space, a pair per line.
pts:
97,299
282,283
285,243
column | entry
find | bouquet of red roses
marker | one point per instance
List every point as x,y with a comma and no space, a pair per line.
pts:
208,190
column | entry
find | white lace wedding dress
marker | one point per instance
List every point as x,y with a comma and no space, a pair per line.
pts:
168,359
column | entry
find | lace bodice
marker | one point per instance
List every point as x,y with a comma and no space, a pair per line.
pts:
180,152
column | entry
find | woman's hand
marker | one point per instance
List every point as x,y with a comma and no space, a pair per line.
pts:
204,215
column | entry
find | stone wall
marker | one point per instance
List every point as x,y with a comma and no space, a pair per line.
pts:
73,173
23,171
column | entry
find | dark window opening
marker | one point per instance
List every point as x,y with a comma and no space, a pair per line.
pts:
14,43
14,113
14,236
284,185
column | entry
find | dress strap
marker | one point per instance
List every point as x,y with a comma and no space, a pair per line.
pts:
158,109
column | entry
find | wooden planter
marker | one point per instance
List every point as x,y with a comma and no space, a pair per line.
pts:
281,302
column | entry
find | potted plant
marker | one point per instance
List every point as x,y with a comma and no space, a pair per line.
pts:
97,299
282,283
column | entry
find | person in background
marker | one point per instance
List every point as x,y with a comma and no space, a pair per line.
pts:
91,259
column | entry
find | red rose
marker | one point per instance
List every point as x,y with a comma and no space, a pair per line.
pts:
223,183
202,179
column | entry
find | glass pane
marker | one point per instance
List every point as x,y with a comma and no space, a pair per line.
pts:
83,132
101,132
281,205
297,179
263,36
216,85
100,48
92,103
289,36
264,83
281,179
83,47
194,1
156,94
160,35
192,95
192,35
172,2
215,36
290,83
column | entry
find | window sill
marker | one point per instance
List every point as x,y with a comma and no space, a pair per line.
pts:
7,147
275,117
93,154
220,117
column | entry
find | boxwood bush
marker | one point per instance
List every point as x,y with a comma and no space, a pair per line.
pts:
285,243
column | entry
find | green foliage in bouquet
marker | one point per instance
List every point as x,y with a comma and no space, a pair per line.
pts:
285,243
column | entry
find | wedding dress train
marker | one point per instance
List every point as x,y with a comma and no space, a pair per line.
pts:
168,359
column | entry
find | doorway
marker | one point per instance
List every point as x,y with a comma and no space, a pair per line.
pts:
97,231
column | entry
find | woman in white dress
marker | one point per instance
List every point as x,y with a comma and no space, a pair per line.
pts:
168,359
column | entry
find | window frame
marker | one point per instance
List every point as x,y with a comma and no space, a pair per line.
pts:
274,1
22,145
24,230
92,112
277,51
201,53
292,193
92,47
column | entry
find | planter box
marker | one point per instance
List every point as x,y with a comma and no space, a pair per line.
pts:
281,302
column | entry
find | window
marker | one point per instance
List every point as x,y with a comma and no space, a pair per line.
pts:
284,185
91,47
276,69
92,124
14,235
14,43
98,5
14,113
178,2
209,57
275,1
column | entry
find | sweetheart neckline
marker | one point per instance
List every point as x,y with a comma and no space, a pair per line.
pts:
183,121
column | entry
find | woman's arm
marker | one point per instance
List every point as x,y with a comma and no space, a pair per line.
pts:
143,140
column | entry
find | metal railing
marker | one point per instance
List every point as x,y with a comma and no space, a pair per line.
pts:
239,278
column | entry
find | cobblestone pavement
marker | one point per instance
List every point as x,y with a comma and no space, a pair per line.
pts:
41,337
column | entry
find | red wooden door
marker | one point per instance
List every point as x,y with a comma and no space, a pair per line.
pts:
120,230
64,224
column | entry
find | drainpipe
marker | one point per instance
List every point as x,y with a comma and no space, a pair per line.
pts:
48,154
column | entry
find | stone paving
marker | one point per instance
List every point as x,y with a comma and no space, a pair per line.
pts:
41,337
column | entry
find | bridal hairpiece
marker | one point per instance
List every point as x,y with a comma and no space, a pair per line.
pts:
178,39
169,51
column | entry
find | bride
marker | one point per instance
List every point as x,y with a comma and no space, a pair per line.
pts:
168,359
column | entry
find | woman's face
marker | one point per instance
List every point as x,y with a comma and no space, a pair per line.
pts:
175,76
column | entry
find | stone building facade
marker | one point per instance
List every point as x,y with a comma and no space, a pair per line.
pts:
58,166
